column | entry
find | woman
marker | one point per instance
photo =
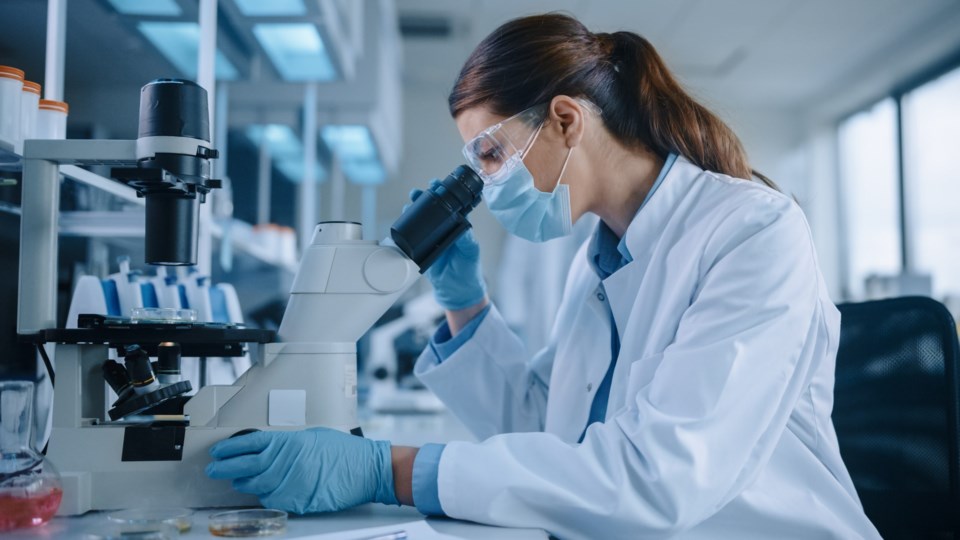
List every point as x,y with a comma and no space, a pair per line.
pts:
687,387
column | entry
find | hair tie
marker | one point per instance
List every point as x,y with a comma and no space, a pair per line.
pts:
608,49
606,43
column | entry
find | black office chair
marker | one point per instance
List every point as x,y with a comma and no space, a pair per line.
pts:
897,414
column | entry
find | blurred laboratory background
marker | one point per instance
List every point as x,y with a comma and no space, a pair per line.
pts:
335,109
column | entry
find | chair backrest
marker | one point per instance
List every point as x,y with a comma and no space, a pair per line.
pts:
897,416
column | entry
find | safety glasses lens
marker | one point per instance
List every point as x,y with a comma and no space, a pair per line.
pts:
489,155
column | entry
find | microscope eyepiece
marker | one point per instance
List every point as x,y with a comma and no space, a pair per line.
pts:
438,217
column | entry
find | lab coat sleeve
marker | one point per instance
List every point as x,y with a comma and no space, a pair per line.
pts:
489,382
444,344
426,470
696,432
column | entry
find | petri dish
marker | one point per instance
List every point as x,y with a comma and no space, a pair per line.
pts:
162,315
133,531
181,518
248,523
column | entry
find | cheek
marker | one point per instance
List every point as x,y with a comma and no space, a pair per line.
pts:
544,164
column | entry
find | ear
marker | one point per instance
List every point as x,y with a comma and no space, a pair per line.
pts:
569,115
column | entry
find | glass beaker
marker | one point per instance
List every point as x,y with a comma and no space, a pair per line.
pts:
30,489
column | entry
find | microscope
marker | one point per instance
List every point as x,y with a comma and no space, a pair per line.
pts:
149,448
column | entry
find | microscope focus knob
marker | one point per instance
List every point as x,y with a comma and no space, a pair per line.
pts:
386,270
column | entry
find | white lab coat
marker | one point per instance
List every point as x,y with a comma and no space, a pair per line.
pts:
531,279
718,423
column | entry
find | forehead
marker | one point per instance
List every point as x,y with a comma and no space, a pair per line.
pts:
472,121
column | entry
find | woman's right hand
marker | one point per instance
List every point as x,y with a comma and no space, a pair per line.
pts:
455,275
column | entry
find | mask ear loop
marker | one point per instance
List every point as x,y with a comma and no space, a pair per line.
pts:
566,160
563,169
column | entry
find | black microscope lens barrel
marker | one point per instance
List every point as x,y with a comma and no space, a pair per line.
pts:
138,366
168,359
172,219
174,108
116,376
438,217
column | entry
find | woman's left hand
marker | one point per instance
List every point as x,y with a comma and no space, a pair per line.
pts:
317,470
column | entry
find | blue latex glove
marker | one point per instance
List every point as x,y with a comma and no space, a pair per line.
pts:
317,470
455,275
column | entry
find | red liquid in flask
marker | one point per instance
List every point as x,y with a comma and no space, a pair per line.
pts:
17,512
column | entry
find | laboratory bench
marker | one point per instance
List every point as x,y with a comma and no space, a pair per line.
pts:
362,517
400,429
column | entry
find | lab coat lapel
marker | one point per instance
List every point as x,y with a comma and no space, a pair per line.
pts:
582,359
633,302
645,230
642,237
583,356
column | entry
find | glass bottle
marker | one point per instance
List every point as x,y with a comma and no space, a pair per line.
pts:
30,489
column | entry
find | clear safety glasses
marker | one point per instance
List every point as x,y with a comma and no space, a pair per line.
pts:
498,150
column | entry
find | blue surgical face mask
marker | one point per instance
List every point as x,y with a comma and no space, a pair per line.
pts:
527,212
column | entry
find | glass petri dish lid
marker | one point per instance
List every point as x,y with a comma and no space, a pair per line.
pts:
248,523
181,518
133,531
162,315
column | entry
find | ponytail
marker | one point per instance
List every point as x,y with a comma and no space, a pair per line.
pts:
530,60
648,105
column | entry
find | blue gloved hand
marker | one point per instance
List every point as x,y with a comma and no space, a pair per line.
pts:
455,275
317,470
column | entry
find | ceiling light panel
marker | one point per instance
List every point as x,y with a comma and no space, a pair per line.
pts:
286,150
179,42
271,8
157,8
296,50
356,151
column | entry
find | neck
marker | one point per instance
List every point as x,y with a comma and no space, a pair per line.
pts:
623,177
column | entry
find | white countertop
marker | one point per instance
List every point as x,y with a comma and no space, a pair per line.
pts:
369,515
413,430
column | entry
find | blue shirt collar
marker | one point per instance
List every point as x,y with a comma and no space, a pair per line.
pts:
607,253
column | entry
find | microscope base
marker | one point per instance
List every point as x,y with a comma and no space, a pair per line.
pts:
109,465
97,478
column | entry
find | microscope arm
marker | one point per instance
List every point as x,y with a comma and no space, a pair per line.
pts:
343,286
309,377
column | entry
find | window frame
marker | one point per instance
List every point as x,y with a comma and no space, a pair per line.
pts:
897,92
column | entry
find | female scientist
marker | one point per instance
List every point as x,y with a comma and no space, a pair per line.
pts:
687,387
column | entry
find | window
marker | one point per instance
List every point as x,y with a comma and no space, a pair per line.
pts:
931,138
870,194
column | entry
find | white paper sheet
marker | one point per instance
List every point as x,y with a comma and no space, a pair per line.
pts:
415,530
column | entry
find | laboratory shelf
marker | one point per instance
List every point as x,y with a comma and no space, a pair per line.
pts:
102,183
243,238
93,224
9,160
130,224
7,208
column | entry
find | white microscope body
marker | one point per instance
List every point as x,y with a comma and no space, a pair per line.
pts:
307,379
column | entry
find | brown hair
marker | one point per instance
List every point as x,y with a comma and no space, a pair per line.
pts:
528,61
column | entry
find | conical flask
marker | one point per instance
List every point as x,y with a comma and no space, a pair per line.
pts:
30,489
